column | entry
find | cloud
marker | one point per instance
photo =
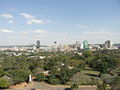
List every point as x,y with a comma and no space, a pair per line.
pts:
83,27
98,33
26,15
11,21
24,32
60,34
40,31
8,16
32,19
37,21
12,9
6,31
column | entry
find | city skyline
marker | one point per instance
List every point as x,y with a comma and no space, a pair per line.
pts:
64,21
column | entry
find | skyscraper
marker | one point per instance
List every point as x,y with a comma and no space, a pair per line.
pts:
108,44
78,45
38,43
85,45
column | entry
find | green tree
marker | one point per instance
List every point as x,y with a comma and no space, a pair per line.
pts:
66,74
2,73
115,83
20,75
88,53
53,80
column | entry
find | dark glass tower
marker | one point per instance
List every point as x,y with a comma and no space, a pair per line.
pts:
38,43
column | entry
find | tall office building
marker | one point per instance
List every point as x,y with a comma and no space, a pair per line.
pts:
55,45
38,43
78,45
85,45
108,44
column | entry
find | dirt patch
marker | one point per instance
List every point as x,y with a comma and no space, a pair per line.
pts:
21,85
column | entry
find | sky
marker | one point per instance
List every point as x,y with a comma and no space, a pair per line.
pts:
22,22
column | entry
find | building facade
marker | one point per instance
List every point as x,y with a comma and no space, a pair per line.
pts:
38,43
108,44
85,45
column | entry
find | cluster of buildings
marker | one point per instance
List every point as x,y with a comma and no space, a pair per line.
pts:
86,46
77,46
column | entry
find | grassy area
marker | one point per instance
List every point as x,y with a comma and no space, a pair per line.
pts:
85,77
91,73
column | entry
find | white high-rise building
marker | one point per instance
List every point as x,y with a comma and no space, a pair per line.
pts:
108,44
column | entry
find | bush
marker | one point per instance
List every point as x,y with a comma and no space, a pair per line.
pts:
53,80
41,77
73,86
3,83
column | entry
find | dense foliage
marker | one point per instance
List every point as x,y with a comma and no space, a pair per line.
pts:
91,67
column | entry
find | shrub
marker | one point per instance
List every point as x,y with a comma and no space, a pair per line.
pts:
3,83
41,77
